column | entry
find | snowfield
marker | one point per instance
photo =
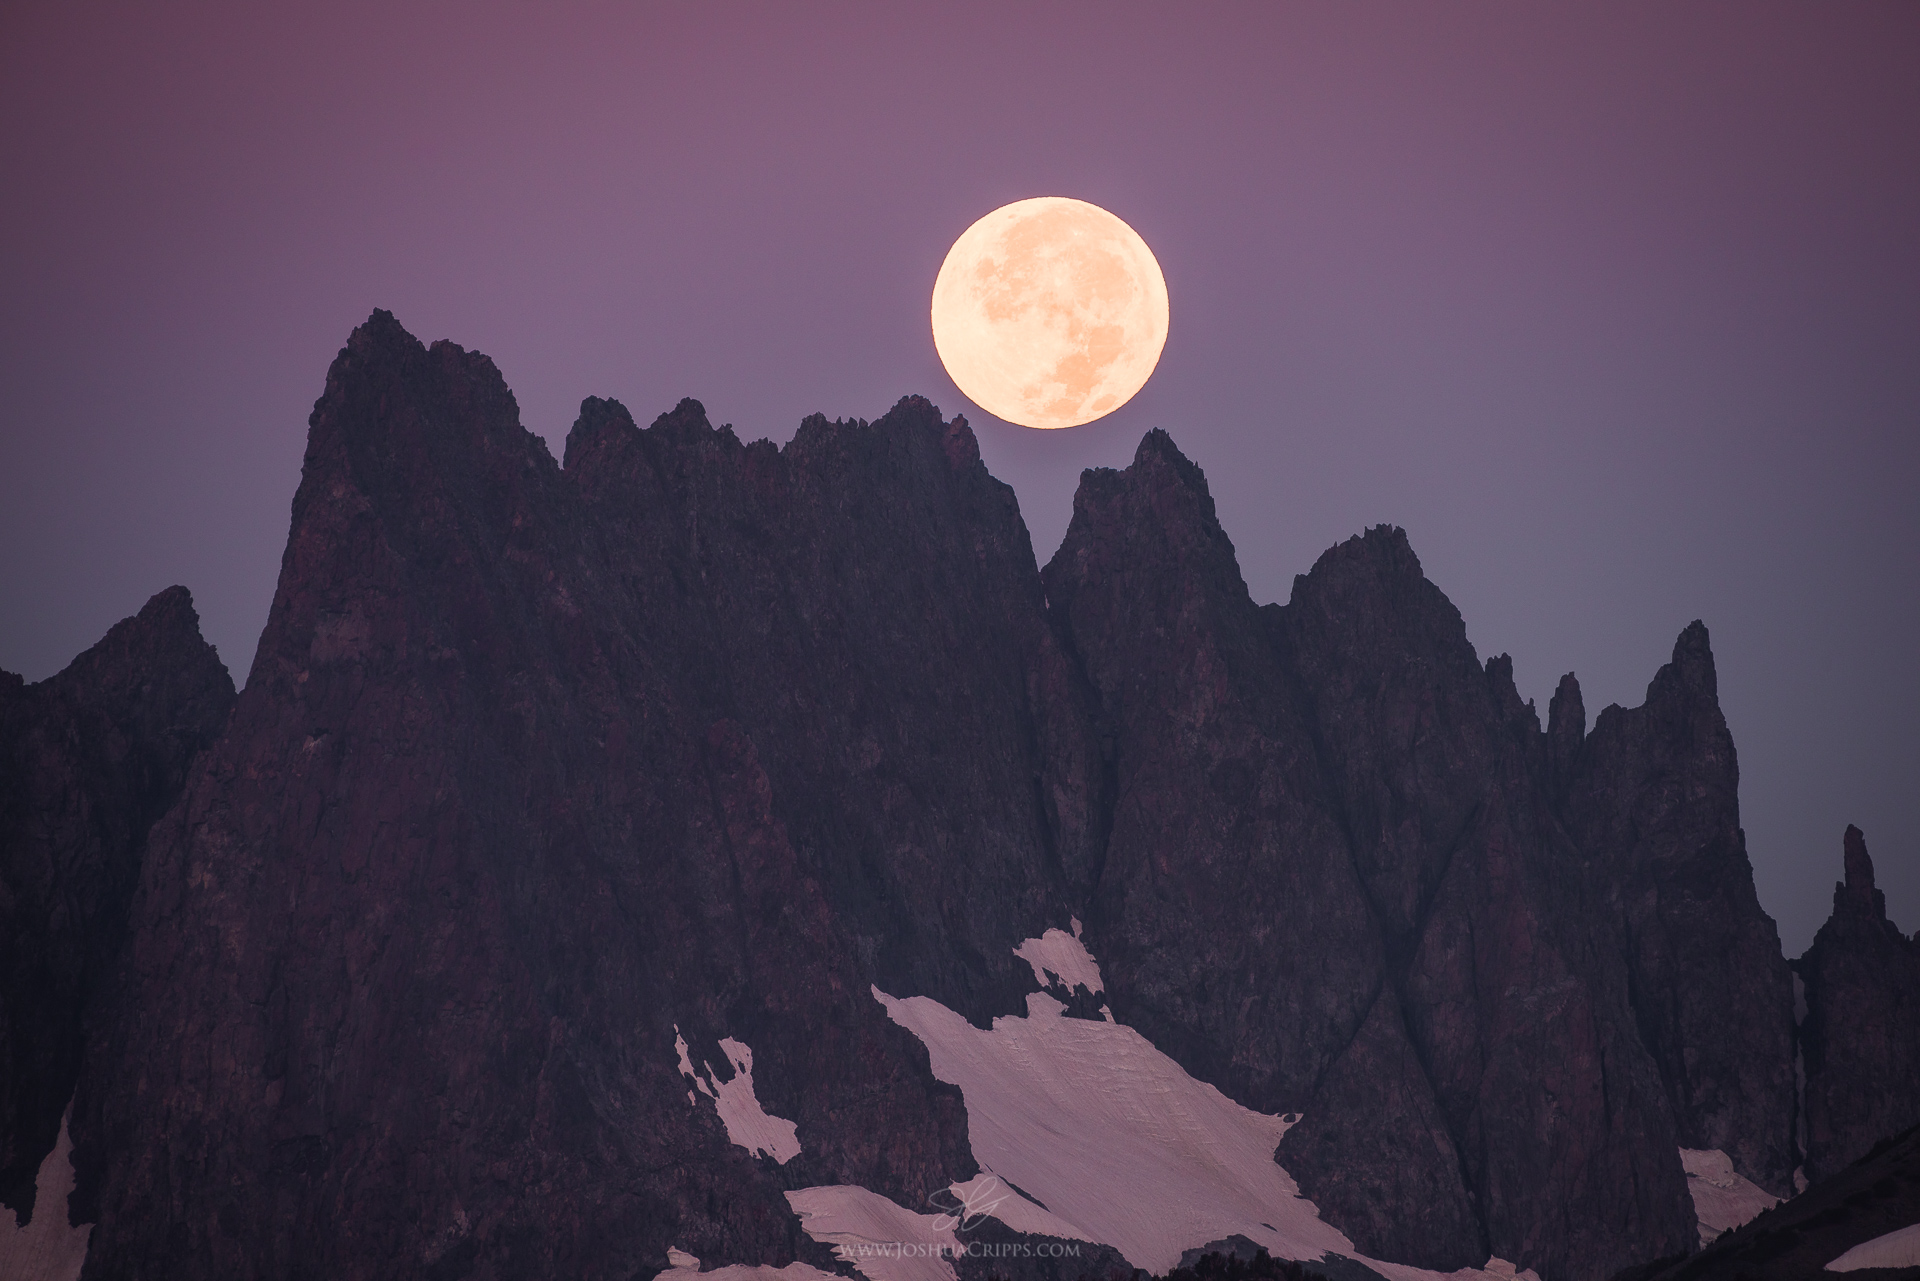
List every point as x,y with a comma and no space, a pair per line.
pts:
1084,1132
685,1267
1113,1140
1722,1200
1899,1249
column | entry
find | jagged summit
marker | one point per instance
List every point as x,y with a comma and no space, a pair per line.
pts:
1858,885
601,423
567,884
1862,1028
1567,716
89,758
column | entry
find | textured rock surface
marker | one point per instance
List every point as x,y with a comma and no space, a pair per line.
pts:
88,760
1651,797
866,601
1503,972
538,764
1229,921
1503,957
1861,1035
534,766
1335,884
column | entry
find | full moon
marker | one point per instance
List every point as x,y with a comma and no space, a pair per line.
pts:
1050,312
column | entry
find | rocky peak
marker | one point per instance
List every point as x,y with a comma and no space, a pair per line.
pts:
1651,798
963,450
1199,914
1382,551
1162,500
394,407
1691,671
603,425
1506,695
1566,721
89,759
544,773
1856,892
1567,712
686,423
1372,591
1158,463
1860,1040
1147,542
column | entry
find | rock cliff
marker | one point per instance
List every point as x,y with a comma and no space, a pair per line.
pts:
1861,1035
562,796
1335,885
1651,798
537,770
89,759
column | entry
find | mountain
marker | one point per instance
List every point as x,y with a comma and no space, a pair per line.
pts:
89,759
1860,1040
700,855
1350,876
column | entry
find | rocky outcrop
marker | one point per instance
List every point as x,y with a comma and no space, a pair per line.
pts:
1651,798
1232,928
1503,956
866,602
1861,1034
1334,885
538,768
544,772
1534,963
89,758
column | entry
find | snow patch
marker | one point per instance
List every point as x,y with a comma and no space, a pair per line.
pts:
1722,1199
682,1266
748,1124
885,1242
1899,1249
1116,1140
47,1249
1060,957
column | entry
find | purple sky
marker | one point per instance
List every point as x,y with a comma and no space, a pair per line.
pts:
1615,308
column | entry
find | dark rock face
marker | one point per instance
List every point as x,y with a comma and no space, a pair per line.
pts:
1335,885
1503,956
866,600
88,760
1232,928
540,767
1861,1035
1651,798
536,766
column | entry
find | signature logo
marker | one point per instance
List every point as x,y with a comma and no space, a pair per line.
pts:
961,1207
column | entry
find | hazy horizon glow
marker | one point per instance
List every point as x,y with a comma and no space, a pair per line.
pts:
1615,309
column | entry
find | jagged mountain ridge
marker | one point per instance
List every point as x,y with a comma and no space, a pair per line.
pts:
1862,1028
538,765
89,758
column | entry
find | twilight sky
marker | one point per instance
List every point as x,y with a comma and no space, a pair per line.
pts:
1616,309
